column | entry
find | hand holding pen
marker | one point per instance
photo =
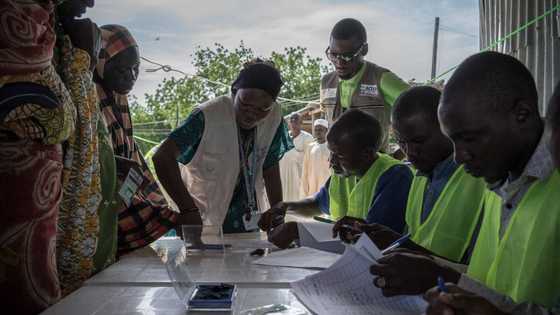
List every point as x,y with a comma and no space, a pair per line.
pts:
348,229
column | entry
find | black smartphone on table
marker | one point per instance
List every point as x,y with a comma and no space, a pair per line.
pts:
213,297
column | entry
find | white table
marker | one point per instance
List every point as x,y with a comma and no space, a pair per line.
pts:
139,283
235,266
146,300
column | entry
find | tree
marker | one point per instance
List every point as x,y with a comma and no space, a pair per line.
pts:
175,97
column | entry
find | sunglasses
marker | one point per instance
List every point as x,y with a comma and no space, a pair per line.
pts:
345,57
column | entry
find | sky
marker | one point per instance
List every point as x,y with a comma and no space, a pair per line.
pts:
400,32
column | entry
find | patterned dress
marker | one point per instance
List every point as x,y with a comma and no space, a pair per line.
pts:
36,115
78,222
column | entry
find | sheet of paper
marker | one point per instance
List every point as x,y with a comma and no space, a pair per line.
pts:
318,235
366,247
301,257
347,288
322,232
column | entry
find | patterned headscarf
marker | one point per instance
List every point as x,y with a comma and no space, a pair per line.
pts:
27,36
115,38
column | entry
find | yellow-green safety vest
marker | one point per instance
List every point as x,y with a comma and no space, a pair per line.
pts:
352,197
525,263
448,228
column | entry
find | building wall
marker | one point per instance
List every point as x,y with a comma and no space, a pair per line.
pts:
538,46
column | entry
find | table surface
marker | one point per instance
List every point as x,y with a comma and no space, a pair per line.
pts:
147,300
144,267
139,282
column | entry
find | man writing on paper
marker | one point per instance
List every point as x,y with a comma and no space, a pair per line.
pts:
444,202
366,185
230,147
316,168
459,300
291,164
357,83
489,110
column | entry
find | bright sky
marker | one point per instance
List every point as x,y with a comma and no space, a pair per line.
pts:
400,32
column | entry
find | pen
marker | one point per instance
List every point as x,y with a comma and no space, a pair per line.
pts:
323,219
441,285
396,243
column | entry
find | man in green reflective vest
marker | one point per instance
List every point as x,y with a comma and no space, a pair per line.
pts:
489,109
357,83
467,302
367,186
444,202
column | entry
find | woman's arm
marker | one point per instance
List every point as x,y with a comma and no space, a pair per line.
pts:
169,175
273,184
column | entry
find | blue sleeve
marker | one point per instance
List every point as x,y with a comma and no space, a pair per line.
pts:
281,143
322,198
391,194
188,135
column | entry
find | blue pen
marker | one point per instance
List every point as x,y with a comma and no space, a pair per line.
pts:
396,243
441,285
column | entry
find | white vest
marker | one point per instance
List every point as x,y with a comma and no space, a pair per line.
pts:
212,173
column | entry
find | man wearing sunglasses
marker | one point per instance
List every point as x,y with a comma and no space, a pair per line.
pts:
357,83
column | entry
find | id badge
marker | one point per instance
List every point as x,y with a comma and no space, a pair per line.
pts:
131,184
253,222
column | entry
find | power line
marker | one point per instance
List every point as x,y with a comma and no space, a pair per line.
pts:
168,68
152,123
504,38
452,30
146,140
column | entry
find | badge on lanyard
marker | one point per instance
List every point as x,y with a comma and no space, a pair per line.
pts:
329,93
131,184
248,168
251,220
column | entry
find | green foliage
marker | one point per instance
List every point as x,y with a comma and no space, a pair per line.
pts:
175,97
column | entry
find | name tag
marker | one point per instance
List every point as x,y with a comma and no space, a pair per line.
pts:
253,222
368,90
130,186
329,93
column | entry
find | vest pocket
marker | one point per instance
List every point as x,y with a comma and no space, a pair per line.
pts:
211,164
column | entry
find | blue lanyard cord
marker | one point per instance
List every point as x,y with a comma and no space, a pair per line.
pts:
249,173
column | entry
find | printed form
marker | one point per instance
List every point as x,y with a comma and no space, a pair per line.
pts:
347,287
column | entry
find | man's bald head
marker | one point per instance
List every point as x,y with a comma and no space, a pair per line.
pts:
489,109
418,100
416,128
493,80
294,124
295,117
353,140
357,127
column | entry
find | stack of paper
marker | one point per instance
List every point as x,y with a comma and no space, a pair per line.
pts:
347,287
318,235
301,257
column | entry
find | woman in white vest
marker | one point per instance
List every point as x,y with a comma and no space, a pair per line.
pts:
228,151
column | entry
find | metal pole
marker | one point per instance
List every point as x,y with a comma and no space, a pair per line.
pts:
434,51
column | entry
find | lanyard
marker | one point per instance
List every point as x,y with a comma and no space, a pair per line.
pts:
248,173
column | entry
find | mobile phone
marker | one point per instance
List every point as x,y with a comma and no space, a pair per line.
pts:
213,297
323,219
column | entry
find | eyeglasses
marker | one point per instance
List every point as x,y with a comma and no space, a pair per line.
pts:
345,57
